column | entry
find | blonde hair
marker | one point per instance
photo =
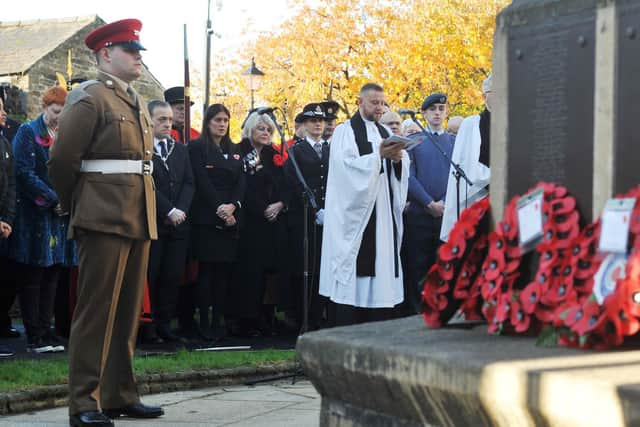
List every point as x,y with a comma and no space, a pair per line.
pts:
253,121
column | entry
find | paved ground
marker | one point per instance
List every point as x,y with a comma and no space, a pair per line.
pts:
278,404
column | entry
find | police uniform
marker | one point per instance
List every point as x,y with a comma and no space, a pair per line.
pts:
100,167
314,166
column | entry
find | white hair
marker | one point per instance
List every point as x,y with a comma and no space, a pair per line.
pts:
487,83
253,121
407,124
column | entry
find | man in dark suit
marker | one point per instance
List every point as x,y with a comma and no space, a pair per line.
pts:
173,177
311,154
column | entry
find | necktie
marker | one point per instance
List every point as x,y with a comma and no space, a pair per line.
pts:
132,94
163,149
318,147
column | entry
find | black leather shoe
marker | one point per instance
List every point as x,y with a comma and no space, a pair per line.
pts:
90,418
136,410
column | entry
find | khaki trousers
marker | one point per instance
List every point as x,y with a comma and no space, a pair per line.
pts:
112,273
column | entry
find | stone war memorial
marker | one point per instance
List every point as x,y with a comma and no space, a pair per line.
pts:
564,78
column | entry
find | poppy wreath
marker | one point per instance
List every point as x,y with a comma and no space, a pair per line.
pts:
585,323
511,302
447,286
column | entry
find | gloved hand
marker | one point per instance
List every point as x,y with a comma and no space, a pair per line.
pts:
177,217
320,217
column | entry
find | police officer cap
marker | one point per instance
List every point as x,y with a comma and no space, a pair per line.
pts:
299,118
175,95
312,111
125,33
330,109
434,98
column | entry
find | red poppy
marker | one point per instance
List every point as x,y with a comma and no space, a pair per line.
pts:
530,297
519,319
505,302
492,287
454,248
44,140
563,206
586,317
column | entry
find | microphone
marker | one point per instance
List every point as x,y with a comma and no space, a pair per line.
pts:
265,110
405,111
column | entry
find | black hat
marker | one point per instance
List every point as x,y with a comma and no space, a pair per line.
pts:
175,95
330,109
299,118
312,111
434,98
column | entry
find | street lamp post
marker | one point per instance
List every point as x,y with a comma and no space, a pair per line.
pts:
253,78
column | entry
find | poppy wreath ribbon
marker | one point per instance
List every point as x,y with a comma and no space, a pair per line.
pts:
584,322
520,292
447,286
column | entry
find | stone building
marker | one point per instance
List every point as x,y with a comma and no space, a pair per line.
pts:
33,51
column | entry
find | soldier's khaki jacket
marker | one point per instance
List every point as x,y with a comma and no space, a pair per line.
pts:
100,121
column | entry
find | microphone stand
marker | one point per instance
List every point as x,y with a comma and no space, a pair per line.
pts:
308,199
458,171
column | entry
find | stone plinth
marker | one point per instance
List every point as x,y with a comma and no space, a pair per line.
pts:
400,373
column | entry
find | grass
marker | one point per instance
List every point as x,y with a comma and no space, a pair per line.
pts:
16,375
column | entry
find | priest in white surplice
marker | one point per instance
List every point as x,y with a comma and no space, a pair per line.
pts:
366,193
471,153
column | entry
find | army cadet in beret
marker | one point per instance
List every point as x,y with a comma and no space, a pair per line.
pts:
427,189
330,109
101,167
175,97
311,154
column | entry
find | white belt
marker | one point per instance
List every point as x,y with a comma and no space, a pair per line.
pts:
139,167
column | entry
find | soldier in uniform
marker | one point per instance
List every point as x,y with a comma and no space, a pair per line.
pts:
175,97
101,167
311,154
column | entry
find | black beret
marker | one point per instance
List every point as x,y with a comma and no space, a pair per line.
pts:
175,95
434,98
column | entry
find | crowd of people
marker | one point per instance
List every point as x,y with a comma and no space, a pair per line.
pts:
103,192
230,220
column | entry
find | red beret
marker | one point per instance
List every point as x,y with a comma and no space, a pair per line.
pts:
125,32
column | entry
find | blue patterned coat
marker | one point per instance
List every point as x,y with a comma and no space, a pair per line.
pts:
39,235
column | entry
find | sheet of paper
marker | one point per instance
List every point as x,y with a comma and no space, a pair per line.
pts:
530,218
616,218
407,143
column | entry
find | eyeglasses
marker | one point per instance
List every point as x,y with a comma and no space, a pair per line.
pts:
392,123
264,129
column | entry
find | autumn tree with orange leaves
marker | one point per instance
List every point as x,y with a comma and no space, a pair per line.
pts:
328,51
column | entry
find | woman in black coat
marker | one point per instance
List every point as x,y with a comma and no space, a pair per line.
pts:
215,214
263,241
